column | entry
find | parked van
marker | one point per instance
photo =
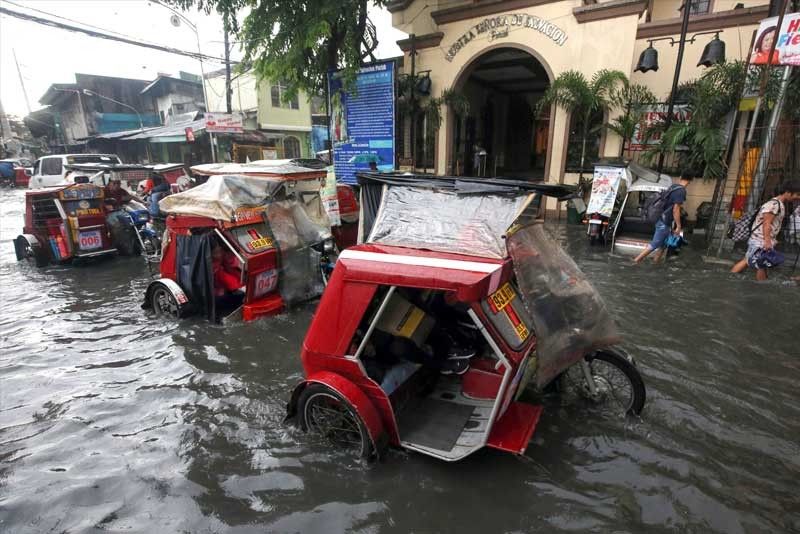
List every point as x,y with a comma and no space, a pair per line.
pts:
49,171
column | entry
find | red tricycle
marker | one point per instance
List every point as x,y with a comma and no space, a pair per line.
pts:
429,331
242,246
63,224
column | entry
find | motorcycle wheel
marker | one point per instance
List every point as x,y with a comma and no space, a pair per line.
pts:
616,379
325,413
25,251
124,240
152,246
164,303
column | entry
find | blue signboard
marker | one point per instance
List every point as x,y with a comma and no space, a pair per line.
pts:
362,121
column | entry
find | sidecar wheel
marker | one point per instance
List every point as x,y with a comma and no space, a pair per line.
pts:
325,413
164,303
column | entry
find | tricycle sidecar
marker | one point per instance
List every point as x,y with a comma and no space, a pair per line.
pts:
429,330
241,244
63,224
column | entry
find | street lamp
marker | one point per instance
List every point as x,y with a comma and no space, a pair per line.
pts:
714,52
92,93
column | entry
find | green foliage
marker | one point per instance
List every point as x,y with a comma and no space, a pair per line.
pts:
456,101
296,41
700,142
633,99
583,98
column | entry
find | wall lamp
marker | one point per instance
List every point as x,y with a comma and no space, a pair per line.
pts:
714,52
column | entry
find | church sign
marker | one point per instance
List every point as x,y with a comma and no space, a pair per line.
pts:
499,26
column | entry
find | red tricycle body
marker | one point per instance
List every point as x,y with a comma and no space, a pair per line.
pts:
250,245
64,223
429,330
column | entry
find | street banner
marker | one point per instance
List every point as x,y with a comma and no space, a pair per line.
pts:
787,47
362,121
224,123
605,185
643,135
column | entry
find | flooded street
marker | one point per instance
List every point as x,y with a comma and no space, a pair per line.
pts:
112,422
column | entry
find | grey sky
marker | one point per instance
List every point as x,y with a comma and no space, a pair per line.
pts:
49,55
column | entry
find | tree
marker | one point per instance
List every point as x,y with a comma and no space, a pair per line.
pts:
582,98
298,41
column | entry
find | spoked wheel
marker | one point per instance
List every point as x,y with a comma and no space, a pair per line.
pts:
615,378
327,414
26,251
164,303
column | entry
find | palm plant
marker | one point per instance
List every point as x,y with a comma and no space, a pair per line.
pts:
633,99
583,98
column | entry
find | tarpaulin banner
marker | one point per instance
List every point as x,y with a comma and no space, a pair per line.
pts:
363,121
787,41
605,184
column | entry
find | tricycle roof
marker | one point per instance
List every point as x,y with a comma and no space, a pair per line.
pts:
470,277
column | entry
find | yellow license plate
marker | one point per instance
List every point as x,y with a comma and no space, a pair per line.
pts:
264,242
502,297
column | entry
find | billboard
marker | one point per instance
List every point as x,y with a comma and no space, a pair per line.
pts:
787,41
362,121
224,123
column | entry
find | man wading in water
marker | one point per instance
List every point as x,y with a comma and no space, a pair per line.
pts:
765,229
674,198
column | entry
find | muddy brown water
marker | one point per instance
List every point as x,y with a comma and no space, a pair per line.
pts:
110,421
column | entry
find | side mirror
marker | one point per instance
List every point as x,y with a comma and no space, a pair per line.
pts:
28,172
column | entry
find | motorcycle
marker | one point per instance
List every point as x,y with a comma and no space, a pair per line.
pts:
148,242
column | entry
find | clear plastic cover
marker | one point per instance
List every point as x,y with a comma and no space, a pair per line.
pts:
569,317
446,221
221,196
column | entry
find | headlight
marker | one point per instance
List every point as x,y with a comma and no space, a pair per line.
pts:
327,246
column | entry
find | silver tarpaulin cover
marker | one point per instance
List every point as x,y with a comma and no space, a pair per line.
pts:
446,221
569,317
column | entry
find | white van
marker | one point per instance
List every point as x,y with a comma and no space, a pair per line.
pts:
49,171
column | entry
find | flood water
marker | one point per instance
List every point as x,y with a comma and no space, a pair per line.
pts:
110,421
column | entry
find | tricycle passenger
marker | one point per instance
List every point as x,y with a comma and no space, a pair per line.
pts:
120,224
157,187
227,277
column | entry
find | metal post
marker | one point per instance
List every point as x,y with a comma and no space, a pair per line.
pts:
227,66
411,99
687,8
21,82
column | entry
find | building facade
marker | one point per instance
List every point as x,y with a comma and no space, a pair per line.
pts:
284,127
502,56
174,97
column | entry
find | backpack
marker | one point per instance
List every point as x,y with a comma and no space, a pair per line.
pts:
741,230
654,208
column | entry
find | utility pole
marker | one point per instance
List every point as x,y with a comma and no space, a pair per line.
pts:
21,82
687,8
5,130
228,90
412,100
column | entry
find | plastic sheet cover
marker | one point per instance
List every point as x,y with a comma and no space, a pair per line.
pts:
569,317
298,227
446,221
221,196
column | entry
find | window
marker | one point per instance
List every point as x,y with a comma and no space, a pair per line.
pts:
278,91
51,166
701,7
575,143
291,147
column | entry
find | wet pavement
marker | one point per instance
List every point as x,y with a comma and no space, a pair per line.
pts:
112,422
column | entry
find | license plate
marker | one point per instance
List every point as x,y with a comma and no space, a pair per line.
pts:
502,297
265,282
90,240
257,244
595,221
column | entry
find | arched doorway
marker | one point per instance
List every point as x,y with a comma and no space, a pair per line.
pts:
501,135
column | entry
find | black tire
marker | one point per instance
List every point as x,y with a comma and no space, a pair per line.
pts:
616,378
324,412
25,251
638,393
124,239
164,303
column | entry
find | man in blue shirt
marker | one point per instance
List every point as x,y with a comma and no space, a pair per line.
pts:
670,220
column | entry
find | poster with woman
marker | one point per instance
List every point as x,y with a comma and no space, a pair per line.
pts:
786,41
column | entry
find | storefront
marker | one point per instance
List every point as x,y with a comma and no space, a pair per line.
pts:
501,56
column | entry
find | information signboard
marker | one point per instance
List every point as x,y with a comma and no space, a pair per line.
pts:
363,121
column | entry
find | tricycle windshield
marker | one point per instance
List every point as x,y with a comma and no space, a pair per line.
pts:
472,224
568,315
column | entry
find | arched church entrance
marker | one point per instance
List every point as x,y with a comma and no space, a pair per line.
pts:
502,134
